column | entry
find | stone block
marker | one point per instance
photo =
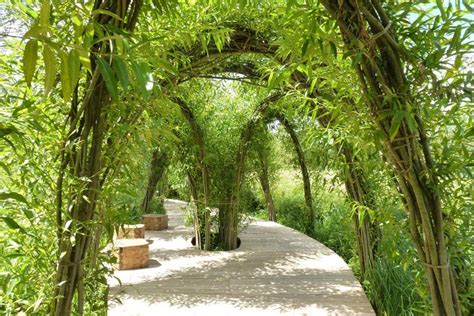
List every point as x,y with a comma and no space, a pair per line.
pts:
132,253
155,221
131,231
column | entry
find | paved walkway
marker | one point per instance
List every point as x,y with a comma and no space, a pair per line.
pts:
276,271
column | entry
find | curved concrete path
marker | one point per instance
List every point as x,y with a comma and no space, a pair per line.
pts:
276,271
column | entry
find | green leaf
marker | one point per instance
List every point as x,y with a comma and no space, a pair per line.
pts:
290,4
395,125
34,31
4,131
140,76
458,62
108,76
304,49
85,60
15,255
89,35
5,168
109,38
468,5
270,80
74,64
122,73
204,42
333,49
49,68
440,5
45,12
455,40
28,213
106,12
313,84
30,56
411,122
166,66
357,58
217,42
65,77
14,196
470,133
12,223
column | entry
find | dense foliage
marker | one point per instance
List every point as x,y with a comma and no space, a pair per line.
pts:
348,120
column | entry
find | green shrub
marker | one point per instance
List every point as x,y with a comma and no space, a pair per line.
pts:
393,289
156,206
290,210
188,215
337,235
261,214
335,228
249,201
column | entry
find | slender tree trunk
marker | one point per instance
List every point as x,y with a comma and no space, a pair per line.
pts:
308,197
194,201
367,233
159,162
207,212
198,138
265,183
366,228
368,32
72,253
88,125
228,226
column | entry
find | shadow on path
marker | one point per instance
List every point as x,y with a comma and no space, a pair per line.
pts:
276,271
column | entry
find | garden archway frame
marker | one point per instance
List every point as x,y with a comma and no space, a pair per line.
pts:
366,29
246,41
408,152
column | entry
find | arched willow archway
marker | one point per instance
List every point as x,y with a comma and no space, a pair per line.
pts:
247,42
368,37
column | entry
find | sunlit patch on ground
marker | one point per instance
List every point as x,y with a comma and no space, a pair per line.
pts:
276,271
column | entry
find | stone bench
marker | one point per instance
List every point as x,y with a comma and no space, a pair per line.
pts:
155,221
132,253
131,231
